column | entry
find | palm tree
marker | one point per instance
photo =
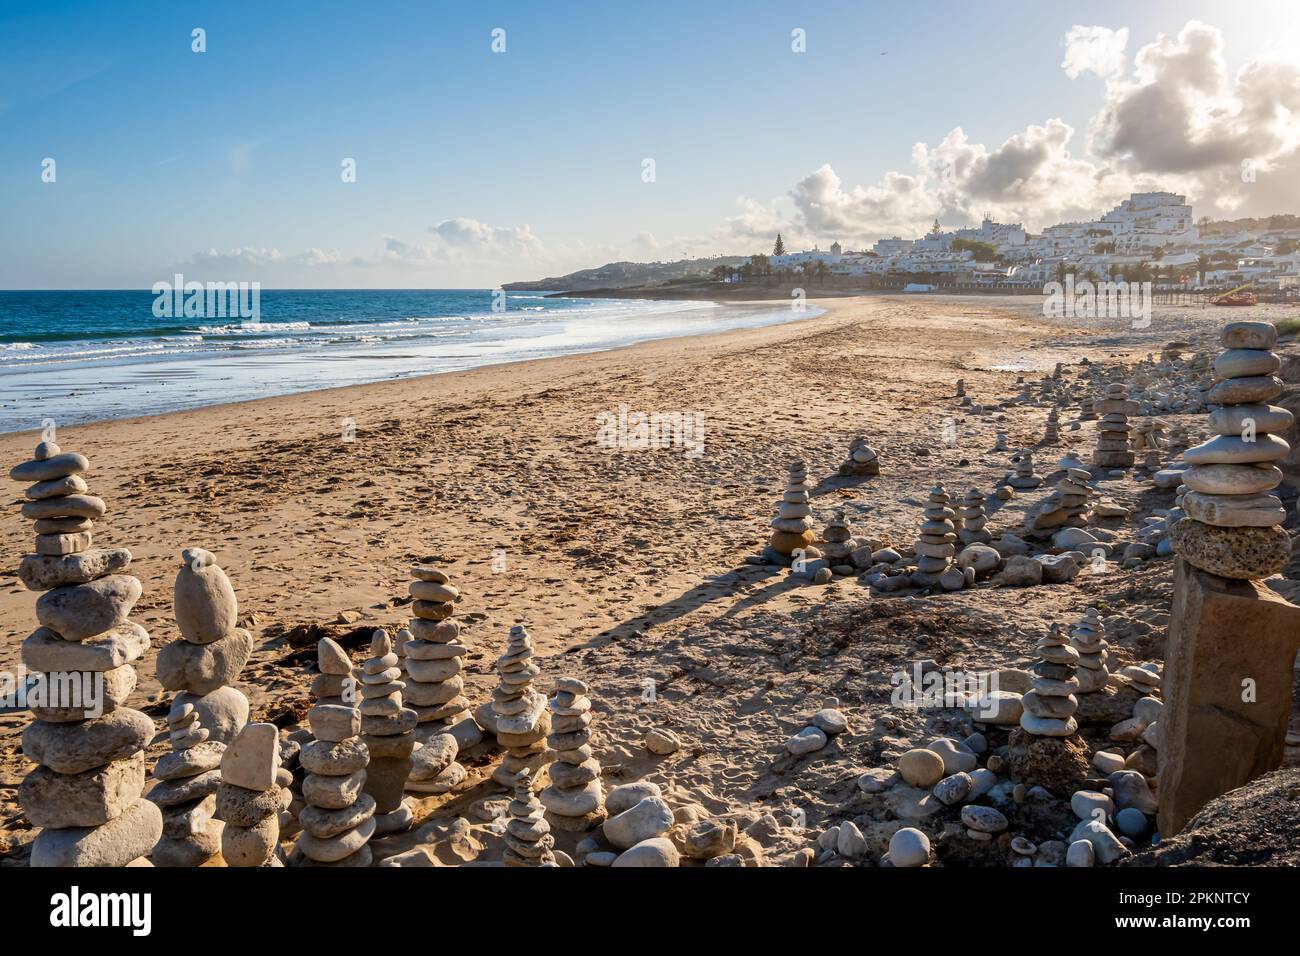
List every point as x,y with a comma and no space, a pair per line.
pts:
1062,270
1202,264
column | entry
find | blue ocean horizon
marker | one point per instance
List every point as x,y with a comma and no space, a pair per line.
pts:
74,356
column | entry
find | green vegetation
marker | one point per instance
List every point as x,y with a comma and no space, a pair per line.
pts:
984,252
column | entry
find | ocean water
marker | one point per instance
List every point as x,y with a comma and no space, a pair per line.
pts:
77,356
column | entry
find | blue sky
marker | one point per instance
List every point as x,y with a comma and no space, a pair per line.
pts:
475,168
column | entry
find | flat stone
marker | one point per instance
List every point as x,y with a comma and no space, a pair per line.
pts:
69,506
56,466
57,488
202,668
172,793
806,741
1239,363
628,795
1240,553
73,748
87,799
332,793
180,764
427,572
122,840
1235,511
1232,479
573,801
79,611
983,819
203,600
662,742
334,722
1248,335
1260,419
1234,450
323,824
62,545
657,851
42,572
1249,390
1048,726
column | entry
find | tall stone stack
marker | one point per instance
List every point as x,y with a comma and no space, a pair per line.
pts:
528,836
206,714
433,663
934,547
85,793
1113,449
251,796
862,459
339,818
519,716
1232,527
1024,478
1075,492
1088,637
574,800
387,730
1052,431
1050,703
792,526
971,512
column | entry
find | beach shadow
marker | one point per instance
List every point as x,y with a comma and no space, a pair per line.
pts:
837,482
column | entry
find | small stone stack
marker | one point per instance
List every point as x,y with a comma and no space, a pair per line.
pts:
1050,704
206,714
1052,433
387,731
338,820
519,716
961,388
1075,494
862,459
1232,527
839,545
1113,449
934,548
792,526
1024,477
433,660
1000,442
1087,411
1088,637
528,835
574,800
85,793
251,796
971,512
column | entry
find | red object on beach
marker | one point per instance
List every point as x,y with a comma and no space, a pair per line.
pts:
1237,296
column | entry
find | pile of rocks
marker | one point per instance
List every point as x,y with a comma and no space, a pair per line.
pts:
934,547
207,713
339,817
519,717
1050,703
1088,638
862,459
85,793
1112,449
845,552
792,526
1052,432
973,520
387,730
253,791
1087,411
528,836
1024,479
432,659
822,726
1075,494
574,800
1232,524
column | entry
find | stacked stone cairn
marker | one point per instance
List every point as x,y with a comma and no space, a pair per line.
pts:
846,553
934,547
85,793
1232,527
207,713
1052,432
1024,478
971,512
1000,442
1087,411
1075,493
961,388
432,656
792,526
252,794
528,835
1050,703
1113,449
519,717
862,459
574,800
339,817
387,730
1088,637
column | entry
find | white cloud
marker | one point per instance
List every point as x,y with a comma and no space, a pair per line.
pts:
1098,50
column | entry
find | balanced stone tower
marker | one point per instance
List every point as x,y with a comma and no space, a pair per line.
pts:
433,663
528,836
574,800
1024,477
792,526
1087,409
1088,637
1113,449
1050,704
519,717
971,512
339,818
1075,493
85,793
862,459
934,548
387,731
206,714
251,796
1052,432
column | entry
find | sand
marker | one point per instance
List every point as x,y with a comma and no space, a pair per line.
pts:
626,566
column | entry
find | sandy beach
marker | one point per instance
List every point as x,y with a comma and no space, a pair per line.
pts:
627,566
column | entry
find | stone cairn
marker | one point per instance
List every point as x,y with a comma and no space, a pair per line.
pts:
574,800
1024,478
339,818
387,731
251,796
961,388
85,793
1087,412
206,714
971,512
1232,527
1088,637
1075,493
792,526
1052,432
862,459
839,545
1000,442
518,713
1112,449
433,660
528,835
934,547
1050,703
